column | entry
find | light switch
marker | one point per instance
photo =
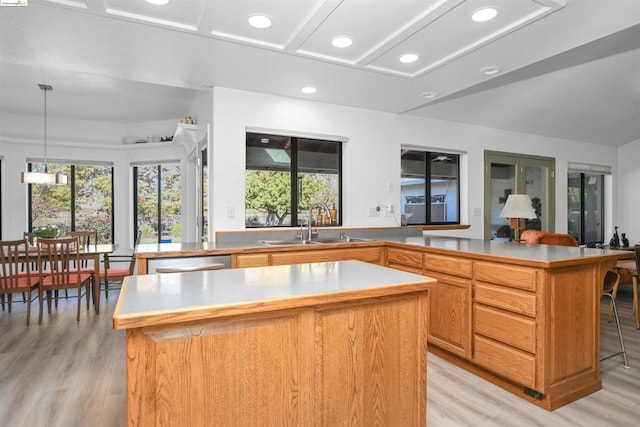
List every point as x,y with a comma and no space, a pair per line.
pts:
231,212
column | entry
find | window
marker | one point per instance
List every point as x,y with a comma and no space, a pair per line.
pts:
430,187
157,202
204,193
86,203
585,203
1,198
286,177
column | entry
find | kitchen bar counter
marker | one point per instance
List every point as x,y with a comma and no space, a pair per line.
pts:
508,252
307,344
525,317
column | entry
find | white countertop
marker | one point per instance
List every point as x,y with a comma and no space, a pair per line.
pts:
220,292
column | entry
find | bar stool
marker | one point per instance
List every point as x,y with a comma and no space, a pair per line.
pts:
611,280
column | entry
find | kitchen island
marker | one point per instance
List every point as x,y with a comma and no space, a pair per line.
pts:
307,344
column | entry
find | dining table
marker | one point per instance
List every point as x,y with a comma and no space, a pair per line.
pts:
88,252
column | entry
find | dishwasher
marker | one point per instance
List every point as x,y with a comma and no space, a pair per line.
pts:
186,264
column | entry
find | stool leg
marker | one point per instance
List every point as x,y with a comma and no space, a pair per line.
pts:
614,293
622,350
636,311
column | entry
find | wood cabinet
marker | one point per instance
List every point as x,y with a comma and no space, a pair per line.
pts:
450,304
505,325
404,259
250,260
532,330
294,355
372,255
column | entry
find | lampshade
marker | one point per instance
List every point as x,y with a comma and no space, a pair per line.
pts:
44,177
518,206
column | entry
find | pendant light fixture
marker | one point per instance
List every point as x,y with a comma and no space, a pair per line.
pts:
44,177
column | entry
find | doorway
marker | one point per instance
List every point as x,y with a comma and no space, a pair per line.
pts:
511,173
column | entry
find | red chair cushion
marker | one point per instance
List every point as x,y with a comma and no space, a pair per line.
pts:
73,279
21,282
115,272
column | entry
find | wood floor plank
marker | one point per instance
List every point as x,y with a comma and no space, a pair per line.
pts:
68,373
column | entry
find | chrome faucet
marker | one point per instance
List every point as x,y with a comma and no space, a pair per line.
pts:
310,219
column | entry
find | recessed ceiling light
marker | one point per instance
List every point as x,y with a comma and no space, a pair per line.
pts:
264,140
491,71
484,14
409,58
309,89
341,41
428,95
259,20
158,2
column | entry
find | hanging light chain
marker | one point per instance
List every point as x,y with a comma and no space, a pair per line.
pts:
45,88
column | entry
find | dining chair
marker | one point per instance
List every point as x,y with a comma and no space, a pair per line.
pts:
115,275
85,238
61,254
16,274
611,280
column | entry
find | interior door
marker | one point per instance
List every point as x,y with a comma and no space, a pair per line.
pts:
507,173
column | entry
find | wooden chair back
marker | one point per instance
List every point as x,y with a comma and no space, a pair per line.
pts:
558,239
29,237
85,238
62,255
15,271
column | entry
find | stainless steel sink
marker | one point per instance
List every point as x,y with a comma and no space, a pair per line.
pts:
315,241
288,242
347,239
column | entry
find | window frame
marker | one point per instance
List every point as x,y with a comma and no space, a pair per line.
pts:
582,216
428,155
71,183
158,166
294,170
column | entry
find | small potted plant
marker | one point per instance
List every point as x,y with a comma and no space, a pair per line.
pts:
47,231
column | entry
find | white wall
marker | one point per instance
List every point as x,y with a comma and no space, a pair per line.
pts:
371,158
628,184
372,154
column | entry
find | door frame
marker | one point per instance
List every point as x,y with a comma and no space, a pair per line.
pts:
520,161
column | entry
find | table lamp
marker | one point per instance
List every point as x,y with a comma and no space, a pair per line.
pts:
517,206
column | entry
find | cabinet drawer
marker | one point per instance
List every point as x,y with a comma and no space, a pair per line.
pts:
251,260
444,264
371,255
404,257
513,276
514,300
507,361
505,327
401,267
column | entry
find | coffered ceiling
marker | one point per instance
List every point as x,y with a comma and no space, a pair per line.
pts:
561,68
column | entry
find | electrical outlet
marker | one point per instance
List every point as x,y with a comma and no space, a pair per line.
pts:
374,211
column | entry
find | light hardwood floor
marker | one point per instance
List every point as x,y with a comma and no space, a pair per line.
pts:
68,373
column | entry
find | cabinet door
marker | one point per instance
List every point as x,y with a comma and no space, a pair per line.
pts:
250,260
449,308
